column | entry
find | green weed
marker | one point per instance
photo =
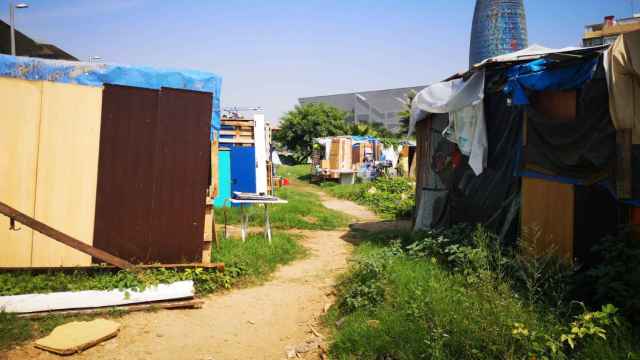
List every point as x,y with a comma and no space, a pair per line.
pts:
388,197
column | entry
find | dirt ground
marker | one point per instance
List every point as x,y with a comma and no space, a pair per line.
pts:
261,322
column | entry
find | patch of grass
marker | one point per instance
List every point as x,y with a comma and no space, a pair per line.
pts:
245,263
295,172
392,198
254,258
304,211
400,303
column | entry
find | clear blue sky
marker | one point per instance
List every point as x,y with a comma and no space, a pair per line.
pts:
272,52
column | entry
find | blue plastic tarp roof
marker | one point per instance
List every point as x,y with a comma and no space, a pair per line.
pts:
97,74
544,74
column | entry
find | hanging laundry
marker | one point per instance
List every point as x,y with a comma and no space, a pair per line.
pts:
463,100
622,62
467,129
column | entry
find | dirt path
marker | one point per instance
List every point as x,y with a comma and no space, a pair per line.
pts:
254,323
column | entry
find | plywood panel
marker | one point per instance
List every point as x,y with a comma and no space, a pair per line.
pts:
19,125
548,215
67,170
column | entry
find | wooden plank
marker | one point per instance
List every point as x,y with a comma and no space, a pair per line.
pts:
236,141
128,308
237,122
55,235
20,104
88,299
218,266
67,170
623,163
548,216
213,190
237,132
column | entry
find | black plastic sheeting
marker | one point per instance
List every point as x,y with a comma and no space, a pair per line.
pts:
576,149
491,198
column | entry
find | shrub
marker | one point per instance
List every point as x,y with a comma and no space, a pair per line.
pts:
617,278
391,197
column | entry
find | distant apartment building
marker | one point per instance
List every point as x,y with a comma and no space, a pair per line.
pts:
606,32
379,106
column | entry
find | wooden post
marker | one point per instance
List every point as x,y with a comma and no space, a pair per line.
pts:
63,238
623,164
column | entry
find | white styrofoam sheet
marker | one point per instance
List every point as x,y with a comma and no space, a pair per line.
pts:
94,298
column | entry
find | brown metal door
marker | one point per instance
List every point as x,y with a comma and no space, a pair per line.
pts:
153,174
125,172
181,168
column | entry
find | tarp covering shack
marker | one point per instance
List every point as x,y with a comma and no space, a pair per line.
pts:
525,142
114,156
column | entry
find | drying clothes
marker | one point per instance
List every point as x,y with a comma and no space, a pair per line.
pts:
623,75
545,74
463,101
467,129
582,147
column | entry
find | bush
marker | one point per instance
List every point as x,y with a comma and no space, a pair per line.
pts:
456,294
391,197
617,278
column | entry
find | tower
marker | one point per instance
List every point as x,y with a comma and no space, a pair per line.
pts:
499,27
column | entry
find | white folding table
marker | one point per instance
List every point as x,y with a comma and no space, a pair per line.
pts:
244,217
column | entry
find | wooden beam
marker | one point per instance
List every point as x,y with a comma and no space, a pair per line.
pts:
218,266
623,164
62,237
237,122
236,141
128,308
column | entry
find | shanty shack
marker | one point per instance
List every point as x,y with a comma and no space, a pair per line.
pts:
114,156
541,144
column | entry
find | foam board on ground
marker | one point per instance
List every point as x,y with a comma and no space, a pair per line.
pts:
94,298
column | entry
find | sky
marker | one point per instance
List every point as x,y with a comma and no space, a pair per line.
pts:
270,53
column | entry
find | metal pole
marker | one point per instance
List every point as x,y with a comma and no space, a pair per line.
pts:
13,30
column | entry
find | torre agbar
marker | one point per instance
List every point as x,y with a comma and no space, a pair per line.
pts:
499,27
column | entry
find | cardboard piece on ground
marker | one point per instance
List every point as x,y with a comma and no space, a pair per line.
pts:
77,336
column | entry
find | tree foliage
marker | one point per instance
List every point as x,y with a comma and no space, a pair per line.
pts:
306,122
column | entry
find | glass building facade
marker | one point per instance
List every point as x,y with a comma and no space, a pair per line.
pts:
499,27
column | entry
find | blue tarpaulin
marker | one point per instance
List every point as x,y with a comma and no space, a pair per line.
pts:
544,74
97,74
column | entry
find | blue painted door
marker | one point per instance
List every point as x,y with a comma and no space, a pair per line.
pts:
243,169
224,178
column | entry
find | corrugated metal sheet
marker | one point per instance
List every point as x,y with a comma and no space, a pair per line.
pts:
181,168
153,174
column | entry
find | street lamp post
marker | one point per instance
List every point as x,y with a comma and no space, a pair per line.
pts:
12,19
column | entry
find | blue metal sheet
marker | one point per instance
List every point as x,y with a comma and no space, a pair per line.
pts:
224,178
243,169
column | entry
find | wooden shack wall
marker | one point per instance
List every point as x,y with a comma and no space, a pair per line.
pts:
19,126
423,137
53,168
548,214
